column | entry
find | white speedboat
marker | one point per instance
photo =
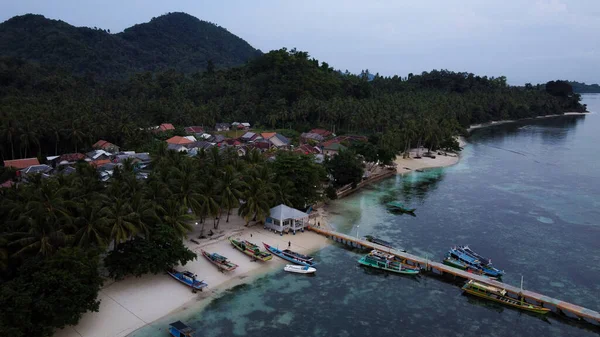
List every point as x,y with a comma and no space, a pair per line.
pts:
299,269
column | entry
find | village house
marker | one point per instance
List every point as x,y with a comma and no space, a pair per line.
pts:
42,169
322,132
71,158
306,137
333,149
98,155
307,149
20,164
178,140
165,127
105,146
248,136
193,130
283,219
279,141
222,126
177,147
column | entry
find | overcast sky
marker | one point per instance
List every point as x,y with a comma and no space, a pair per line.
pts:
525,40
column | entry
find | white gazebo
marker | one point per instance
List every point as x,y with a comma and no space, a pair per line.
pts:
284,219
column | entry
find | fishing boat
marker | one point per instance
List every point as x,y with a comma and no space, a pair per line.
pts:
250,249
291,256
392,257
220,261
383,261
469,251
188,278
395,206
455,263
179,329
384,243
499,295
299,269
475,263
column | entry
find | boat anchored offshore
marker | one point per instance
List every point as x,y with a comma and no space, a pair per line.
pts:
179,329
394,206
299,269
499,295
220,261
384,261
188,278
291,256
250,249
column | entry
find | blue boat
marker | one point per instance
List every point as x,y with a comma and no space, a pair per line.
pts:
179,329
474,263
188,278
291,256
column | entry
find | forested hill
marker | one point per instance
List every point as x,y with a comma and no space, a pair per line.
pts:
583,88
173,41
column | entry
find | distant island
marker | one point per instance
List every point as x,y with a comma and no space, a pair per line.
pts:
582,88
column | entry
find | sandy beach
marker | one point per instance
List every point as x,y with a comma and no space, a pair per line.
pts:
407,165
485,125
132,303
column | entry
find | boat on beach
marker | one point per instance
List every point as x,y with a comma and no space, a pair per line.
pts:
381,260
299,269
250,249
394,206
179,329
291,256
188,278
500,295
220,261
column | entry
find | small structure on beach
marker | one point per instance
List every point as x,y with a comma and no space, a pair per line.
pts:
284,219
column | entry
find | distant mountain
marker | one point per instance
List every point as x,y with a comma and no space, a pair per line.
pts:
175,40
582,88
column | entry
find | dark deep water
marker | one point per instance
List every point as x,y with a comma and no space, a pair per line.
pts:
527,195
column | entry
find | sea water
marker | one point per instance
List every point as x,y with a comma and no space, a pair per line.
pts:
527,195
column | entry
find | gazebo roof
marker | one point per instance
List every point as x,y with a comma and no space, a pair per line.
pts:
283,212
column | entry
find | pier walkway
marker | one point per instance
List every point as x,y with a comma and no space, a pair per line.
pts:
558,306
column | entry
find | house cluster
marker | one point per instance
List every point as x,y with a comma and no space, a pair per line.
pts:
104,157
325,143
197,139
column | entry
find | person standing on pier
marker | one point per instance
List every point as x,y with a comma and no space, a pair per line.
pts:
289,244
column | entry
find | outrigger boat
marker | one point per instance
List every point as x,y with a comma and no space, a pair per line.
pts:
380,242
188,278
455,263
291,256
250,249
380,260
475,263
499,295
219,261
395,206
179,329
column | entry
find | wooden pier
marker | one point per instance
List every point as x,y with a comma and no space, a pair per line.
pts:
557,306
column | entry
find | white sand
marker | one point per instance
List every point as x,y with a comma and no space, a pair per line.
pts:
484,125
130,304
406,165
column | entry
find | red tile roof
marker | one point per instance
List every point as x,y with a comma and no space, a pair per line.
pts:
194,129
267,135
179,140
70,157
97,163
306,149
21,163
102,144
321,132
166,126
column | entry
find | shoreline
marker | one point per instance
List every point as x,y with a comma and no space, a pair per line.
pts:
134,303
507,121
409,165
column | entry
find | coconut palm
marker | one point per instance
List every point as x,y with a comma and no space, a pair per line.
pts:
92,228
256,203
122,220
231,187
176,216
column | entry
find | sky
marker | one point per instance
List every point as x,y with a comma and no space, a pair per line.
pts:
525,40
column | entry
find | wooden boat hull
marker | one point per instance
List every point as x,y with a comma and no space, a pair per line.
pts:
280,254
250,253
506,300
376,265
221,266
198,285
454,264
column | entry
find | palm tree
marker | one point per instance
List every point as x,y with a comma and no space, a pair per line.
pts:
122,220
184,185
92,228
256,201
176,216
231,186
146,211
9,132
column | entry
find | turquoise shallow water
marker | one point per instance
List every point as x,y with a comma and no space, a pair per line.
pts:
525,194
